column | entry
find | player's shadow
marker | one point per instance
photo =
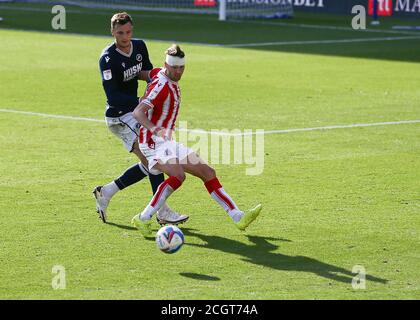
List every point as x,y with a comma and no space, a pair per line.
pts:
260,253
121,226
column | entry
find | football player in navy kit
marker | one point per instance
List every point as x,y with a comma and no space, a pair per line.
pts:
121,65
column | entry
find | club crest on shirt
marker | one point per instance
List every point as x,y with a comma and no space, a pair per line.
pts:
107,74
139,57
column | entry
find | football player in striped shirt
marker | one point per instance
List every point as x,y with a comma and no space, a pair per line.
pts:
157,113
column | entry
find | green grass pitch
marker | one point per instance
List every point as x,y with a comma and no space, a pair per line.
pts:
332,199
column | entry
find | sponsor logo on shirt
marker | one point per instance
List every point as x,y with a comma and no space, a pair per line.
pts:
132,72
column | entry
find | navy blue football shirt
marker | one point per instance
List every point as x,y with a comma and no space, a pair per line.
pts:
120,72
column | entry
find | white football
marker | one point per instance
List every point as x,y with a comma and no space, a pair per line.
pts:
169,239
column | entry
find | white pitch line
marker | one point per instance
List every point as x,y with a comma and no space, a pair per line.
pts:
322,27
356,125
220,132
46,115
244,45
286,43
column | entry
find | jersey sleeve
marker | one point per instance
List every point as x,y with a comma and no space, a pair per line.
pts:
156,94
154,72
110,84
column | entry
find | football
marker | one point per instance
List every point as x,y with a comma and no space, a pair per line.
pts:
169,239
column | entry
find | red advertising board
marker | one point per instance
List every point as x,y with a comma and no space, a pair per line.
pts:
384,7
204,3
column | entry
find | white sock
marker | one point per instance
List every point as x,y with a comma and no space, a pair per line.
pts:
158,201
224,200
110,189
147,213
236,215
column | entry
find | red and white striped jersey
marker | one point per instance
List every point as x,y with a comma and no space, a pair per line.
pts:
164,97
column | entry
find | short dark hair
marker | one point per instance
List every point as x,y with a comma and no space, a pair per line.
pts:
175,51
120,18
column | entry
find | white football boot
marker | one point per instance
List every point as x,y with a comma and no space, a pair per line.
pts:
101,203
166,215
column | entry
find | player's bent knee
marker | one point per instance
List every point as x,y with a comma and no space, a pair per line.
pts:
209,173
180,176
177,172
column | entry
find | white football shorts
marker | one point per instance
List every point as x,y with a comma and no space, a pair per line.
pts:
163,150
126,128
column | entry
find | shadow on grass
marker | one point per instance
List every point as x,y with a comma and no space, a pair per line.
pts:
121,226
199,276
260,253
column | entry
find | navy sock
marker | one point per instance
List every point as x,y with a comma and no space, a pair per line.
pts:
156,180
132,175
